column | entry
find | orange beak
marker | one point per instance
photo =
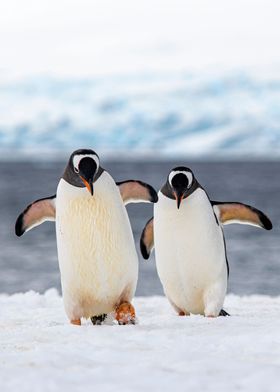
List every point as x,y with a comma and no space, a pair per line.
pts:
179,198
88,185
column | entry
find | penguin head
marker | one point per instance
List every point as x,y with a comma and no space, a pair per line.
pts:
180,181
83,167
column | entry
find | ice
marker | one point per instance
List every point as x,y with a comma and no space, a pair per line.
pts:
155,115
158,78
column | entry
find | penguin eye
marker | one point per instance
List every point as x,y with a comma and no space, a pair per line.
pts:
77,159
181,179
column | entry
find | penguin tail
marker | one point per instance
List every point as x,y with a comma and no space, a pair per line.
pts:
223,313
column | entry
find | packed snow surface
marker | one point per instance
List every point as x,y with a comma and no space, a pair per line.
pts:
41,351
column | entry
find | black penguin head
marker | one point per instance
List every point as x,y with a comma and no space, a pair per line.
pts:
83,168
180,181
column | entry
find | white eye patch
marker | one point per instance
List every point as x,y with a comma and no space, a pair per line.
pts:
77,159
185,173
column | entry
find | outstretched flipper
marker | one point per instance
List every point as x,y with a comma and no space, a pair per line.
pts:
36,213
147,239
231,212
133,191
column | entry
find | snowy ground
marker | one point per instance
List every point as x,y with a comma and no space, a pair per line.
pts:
40,351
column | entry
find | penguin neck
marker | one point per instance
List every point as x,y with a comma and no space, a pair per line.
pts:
74,179
166,190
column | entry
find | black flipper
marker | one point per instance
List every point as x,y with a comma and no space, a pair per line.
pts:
234,212
36,213
133,191
147,239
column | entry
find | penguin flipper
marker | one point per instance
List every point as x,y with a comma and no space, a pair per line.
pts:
133,191
232,212
36,213
147,239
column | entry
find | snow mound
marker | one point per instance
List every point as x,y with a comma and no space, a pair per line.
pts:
166,114
41,351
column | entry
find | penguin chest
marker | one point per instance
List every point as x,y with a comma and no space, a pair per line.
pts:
189,249
96,251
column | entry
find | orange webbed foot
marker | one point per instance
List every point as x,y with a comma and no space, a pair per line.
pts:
76,322
125,314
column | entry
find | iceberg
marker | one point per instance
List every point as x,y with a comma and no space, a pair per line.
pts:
164,115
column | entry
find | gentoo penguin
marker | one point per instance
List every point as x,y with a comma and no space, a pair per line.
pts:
190,251
96,251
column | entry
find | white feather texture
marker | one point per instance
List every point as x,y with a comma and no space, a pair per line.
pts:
97,257
190,254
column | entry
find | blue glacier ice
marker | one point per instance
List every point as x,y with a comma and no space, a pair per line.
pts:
164,114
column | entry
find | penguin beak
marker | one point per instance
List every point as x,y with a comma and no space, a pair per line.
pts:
89,185
179,197
87,170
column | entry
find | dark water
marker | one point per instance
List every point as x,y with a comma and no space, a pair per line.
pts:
30,262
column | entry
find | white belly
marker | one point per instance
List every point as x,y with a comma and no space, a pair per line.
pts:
96,251
190,254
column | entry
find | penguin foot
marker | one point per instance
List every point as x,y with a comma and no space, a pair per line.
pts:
182,313
223,313
76,322
98,320
125,314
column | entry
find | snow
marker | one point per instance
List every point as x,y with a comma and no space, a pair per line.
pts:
41,351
